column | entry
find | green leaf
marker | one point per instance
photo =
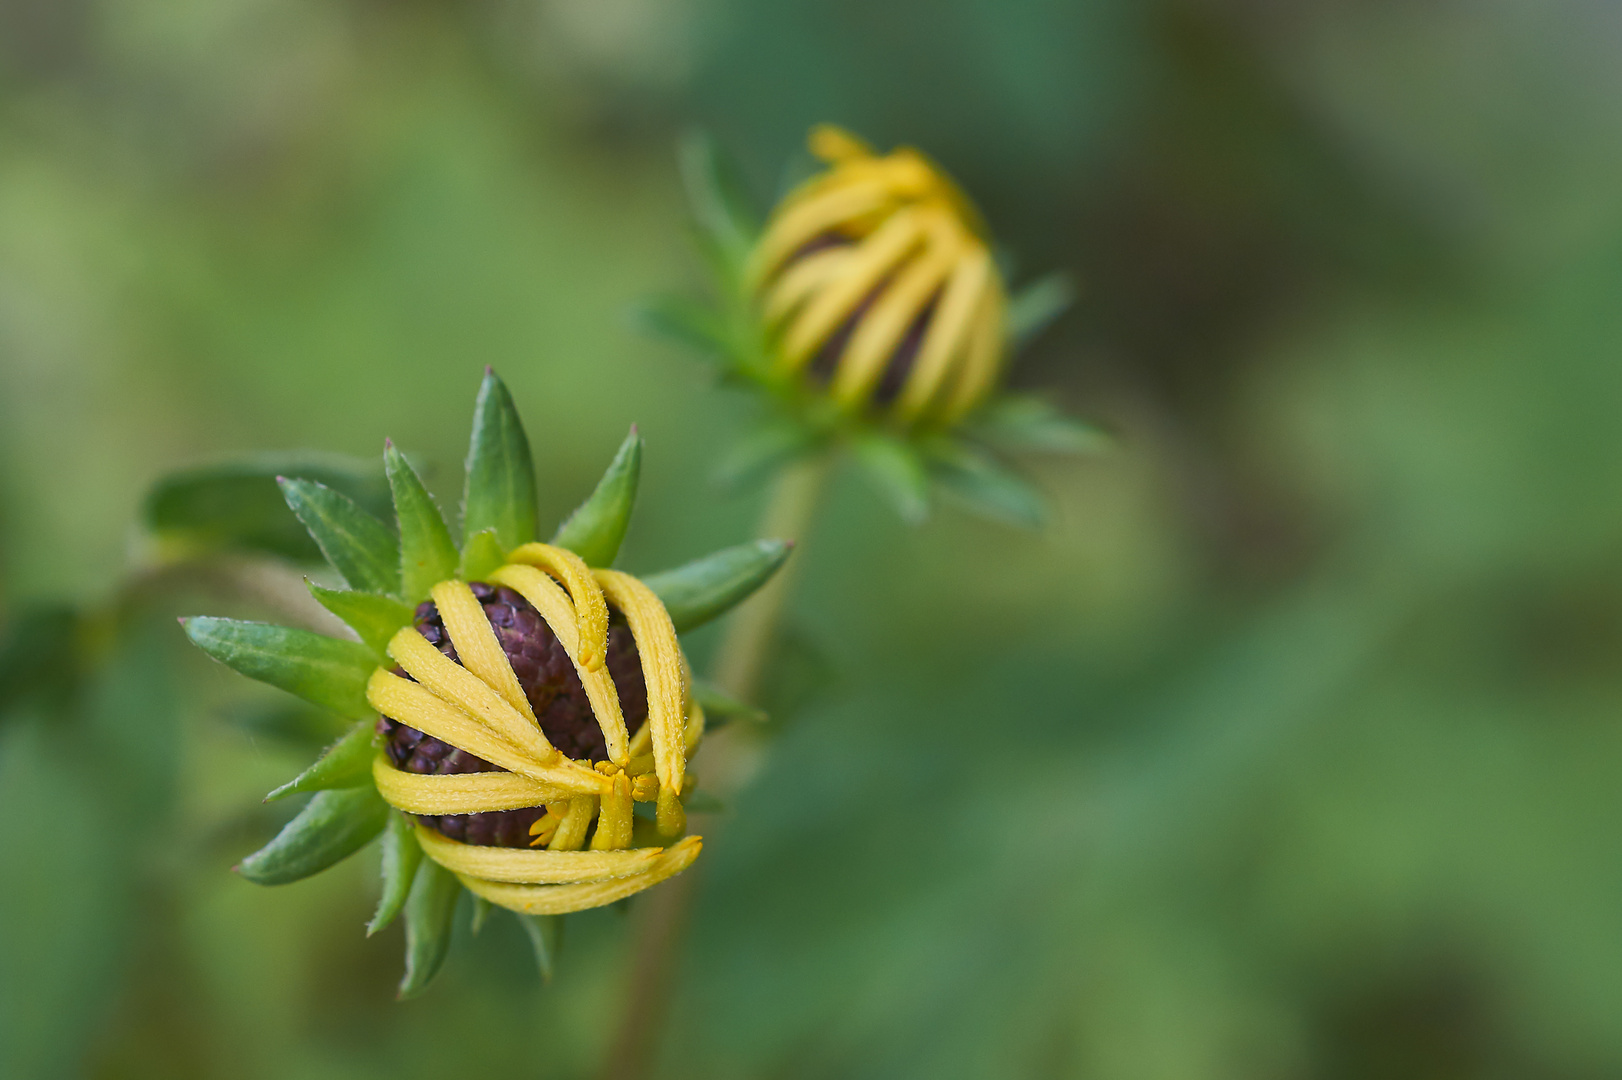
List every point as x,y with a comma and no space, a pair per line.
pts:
401,854
500,492
705,588
765,450
686,323
429,912
374,617
1033,308
346,763
359,546
720,707
719,202
546,938
1024,422
235,505
597,527
898,471
986,486
482,553
332,827
319,669
427,554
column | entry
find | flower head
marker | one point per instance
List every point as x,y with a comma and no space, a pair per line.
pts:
869,313
513,702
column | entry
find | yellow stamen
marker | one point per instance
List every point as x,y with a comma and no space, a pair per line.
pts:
562,899
590,610
571,834
614,818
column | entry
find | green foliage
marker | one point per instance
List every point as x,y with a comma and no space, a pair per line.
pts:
430,911
427,553
709,587
771,445
359,546
319,669
236,504
1034,308
984,485
688,323
39,657
401,856
545,933
376,618
1025,422
346,763
482,553
897,469
716,193
597,527
332,826
500,493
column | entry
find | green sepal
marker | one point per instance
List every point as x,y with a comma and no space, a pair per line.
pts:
1025,422
401,854
346,763
481,914
500,491
984,485
359,546
235,505
481,555
597,527
721,707
705,588
720,205
430,910
333,826
898,471
768,448
1033,308
546,938
687,323
375,617
427,554
322,670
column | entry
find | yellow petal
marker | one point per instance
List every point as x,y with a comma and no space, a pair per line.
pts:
462,793
554,606
834,144
982,359
873,258
476,643
459,686
533,867
803,220
803,279
663,670
948,334
590,610
562,899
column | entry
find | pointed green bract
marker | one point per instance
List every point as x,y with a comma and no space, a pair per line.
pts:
319,669
500,491
687,323
359,546
765,450
235,505
720,707
334,825
346,763
1024,422
482,553
374,617
427,554
705,588
546,938
986,486
719,203
481,913
596,529
401,854
429,912
899,473
1033,308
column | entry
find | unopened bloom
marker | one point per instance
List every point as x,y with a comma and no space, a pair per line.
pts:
513,702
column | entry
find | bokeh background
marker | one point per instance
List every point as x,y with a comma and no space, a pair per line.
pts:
1292,749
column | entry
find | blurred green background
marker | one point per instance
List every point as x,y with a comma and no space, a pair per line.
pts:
1292,749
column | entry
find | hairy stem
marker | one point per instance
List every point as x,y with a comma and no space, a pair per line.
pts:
729,760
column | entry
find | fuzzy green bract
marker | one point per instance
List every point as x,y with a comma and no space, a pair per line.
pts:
392,565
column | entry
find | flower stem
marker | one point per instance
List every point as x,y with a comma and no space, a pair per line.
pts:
739,664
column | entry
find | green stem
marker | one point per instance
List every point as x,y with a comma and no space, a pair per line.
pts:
739,664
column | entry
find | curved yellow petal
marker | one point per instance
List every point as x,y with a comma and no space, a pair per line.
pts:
663,669
459,686
982,359
800,281
948,333
462,793
534,867
591,612
562,899
807,218
476,643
